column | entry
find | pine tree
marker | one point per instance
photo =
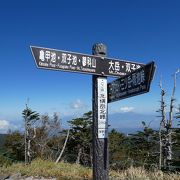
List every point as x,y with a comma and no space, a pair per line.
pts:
30,117
144,147
79,148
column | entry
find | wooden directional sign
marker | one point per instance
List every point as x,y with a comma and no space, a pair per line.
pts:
133,84
82,63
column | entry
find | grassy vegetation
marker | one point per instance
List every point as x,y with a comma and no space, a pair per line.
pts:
66,171
42,168
4,161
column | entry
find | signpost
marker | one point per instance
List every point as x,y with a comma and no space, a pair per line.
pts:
100,121
134,79
82,63
138,82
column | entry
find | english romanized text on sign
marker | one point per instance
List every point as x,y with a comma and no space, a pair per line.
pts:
136,83
82,63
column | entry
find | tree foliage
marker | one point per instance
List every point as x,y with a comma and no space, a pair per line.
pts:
144,147
137,149
79,146
14,145
30,118
48,139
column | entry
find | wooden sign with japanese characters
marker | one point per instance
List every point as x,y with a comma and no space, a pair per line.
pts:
134,78
136,83
82,63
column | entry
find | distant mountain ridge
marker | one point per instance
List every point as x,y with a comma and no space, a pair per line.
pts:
128,122
131,122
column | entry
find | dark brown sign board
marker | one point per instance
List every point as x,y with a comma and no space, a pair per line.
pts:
138,82
82,63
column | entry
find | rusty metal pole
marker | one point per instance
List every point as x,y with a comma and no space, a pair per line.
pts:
100,123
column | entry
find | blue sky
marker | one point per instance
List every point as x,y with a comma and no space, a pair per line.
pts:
140,31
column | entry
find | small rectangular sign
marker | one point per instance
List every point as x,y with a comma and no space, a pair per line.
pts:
102,107
133,84
102,133
82,63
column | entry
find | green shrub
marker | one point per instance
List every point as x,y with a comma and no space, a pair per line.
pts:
4,161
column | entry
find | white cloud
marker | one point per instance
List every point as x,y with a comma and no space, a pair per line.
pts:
78,104
177,110
6,125
127,109
123,109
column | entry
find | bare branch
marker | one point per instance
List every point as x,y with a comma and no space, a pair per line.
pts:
59,157
162,110
173,99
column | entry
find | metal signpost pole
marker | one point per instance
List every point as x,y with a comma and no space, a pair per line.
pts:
100,124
